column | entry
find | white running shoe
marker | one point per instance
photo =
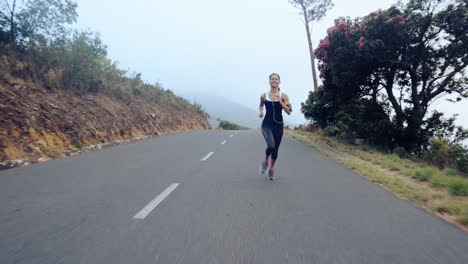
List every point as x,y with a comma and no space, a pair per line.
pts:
271,176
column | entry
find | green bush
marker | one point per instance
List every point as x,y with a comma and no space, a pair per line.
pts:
451,172
226,125
441,182
458,156
401,152
366,148
201,110
459,188
438,153
331,144
442,153
332,131
425,174
395,158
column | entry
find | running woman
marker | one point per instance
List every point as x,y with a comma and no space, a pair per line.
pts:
272,125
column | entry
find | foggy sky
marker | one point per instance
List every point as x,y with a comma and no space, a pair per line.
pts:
220,47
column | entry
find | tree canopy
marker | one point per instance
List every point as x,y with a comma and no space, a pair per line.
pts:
26,19
394,63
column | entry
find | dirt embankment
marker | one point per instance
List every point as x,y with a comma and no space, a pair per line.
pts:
37,124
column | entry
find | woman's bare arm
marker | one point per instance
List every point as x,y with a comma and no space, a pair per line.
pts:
285,103
262,103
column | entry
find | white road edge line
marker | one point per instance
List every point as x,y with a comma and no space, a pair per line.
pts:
149,207
207,156
224,142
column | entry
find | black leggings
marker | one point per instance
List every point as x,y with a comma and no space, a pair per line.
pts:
273,136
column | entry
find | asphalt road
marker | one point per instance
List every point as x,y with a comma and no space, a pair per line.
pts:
168,200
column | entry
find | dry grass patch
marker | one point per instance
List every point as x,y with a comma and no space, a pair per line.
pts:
442,192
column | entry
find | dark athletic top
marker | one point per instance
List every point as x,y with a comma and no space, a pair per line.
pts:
273,116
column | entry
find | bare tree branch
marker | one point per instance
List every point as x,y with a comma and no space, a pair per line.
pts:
8,5
446,81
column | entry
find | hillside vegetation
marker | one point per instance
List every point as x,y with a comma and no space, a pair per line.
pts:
59,91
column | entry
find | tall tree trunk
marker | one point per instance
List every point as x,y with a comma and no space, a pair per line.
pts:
374,95
415,96
12,23
311,49
390,79
414,137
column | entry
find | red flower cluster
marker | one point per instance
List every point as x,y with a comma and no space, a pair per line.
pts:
376,13
330,30
325,44
395,20
361,42
342,26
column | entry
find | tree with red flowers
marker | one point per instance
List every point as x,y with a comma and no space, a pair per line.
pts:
402,59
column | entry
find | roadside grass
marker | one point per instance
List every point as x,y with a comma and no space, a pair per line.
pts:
442,192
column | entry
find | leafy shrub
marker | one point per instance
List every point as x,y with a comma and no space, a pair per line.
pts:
366,148
226,125
201,110
401,152
459,188
441,182
442,153
331,144
53,78
451,172
458,156
425,174
438,153
332,131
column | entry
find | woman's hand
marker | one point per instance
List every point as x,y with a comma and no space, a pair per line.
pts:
261,114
